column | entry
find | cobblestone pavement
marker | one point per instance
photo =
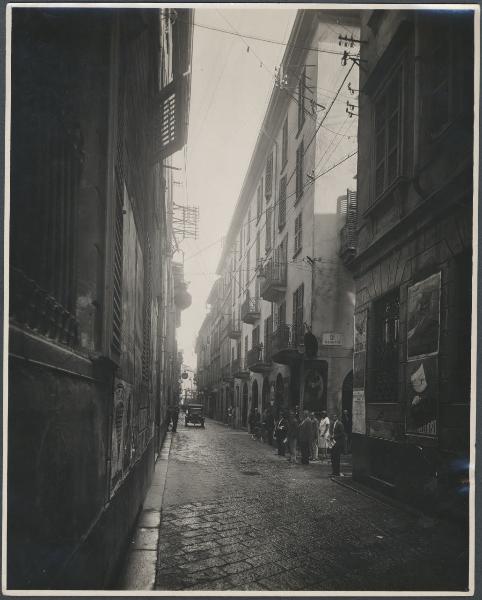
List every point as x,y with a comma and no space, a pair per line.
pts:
237,517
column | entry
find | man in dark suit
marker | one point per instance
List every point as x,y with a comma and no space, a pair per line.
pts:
339,443
305,436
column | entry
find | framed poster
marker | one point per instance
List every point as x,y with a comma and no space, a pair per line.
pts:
423,317
422,396
358,412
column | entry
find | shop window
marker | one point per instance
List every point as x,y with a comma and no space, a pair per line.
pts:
385,345
259,201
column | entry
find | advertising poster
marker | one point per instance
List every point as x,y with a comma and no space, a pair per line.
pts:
121,431
358,412
423,317
422,396
360,335
359,365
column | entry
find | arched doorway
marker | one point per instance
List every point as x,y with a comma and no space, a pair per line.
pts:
347,393
244,408
265,394
313,392
279,394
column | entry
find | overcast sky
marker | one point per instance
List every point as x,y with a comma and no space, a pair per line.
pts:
229,96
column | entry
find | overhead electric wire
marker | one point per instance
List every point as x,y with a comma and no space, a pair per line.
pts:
265,40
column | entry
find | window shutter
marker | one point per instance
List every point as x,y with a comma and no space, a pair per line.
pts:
268,184
169,124
282,203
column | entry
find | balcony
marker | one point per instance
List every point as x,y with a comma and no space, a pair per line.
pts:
273,280
234,329
226,373
347,243
257,361
250,311
238,369
284,344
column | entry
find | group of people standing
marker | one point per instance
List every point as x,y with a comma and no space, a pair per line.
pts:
313,439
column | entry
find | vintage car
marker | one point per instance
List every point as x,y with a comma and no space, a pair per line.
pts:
194,414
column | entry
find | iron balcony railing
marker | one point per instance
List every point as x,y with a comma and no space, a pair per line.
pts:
286,337
238,368
234,329
250,311
256,355
273,278
226,372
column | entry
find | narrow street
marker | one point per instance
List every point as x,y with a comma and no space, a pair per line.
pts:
237,517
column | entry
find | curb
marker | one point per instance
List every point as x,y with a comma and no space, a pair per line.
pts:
141,560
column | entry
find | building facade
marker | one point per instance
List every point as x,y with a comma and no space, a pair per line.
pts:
93,291
413,260
281,315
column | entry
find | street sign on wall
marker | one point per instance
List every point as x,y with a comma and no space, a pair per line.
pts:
332,339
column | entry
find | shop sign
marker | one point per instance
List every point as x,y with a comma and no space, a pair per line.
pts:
332,339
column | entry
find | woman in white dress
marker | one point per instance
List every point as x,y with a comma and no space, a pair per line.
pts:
324,434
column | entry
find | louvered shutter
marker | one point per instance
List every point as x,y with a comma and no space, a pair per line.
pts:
169,123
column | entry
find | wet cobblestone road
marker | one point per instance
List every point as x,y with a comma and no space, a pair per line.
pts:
237,517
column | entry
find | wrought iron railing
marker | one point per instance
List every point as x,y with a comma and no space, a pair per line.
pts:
250,308
273,273
256,355
286,337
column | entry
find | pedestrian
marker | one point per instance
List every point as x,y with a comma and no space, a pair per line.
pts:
337,449
347,425
230,415
305,435
252,421
281,434
233,417
264,425
173,415
324,437
269,424
315,424
292,435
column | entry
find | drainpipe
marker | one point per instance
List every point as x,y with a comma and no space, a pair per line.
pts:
416,98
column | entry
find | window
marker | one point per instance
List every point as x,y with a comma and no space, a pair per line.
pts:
388,119
386,335
248,266
248,227
298,233
284,144
439,74
255,336
268,330
301,98
282,314
298,314
282,203
258,249
259,201
240,278
269,219
246,346
299,171
268,182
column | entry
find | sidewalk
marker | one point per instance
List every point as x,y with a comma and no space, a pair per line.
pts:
139,570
